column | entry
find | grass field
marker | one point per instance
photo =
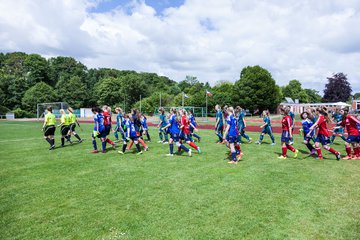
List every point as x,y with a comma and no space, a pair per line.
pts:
72,194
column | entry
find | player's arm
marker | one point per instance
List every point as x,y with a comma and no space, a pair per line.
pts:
168,125
244,122
290,127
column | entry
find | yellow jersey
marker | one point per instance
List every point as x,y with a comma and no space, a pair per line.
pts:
65,120
72,118
50,119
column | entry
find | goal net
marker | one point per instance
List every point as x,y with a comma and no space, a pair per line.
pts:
56,106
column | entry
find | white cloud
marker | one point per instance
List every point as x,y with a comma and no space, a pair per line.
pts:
213,40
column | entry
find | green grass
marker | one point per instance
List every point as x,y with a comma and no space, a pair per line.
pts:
72,194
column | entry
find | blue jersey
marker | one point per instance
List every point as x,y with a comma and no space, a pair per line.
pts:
241,116
174,127
306,125
292,115
99,120
338,117
192,120
130,126
163,120
219,116
143,122
232,121
266,119
119,120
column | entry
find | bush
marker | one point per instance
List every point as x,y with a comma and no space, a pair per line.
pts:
19,113
4,110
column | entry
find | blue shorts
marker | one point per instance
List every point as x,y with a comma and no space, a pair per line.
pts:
191,129
231,139
324,140
353,139
285,136
185,137
339,131
267,130
175,137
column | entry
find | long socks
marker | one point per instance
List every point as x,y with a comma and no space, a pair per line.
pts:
333,151
309,146
130,145
284,150
184,148
272,138
193,145
138,147
62,141
48,140
109,141
261,138
318,150
94,144
142,143
148,136
291,148
124,147
116,135
103,146
77,136
171,148
348,151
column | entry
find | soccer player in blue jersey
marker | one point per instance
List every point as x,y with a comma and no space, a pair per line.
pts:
292,116
337,118
241,124
131,134
266,128
144,127
306,125
99,129
119,124
163,122
193,125
231,135
174,129
219,125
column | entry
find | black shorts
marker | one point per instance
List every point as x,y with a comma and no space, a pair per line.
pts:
49,130
107,129
72,127
64,130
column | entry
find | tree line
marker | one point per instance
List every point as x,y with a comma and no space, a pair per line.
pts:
28,79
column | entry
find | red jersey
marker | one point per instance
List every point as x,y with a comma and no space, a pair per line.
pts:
107,118
185,124
286,123
322,126
350,123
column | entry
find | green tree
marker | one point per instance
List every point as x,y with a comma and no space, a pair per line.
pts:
256,89
313,95
36,68
108,91
295,91
357,95
66,67
39,93
73,91
337,89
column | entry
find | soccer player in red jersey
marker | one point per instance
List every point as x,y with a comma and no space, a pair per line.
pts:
286,134
185,130
350,124
323,135
107,123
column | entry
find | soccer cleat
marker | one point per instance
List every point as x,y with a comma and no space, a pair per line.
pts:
291,143
52,147
146,149
160,141
114,146
199,139
238,157
296,153
338,156
80,141
199,150
258,142
281,157
320,158
103,151
223,142
94,151
62,145
165,142
312,152
250,140
218,142
273,144
347,158
139,153
189,153
121,152
169,155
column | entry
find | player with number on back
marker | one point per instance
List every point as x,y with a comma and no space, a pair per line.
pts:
350,123
231,136
49,127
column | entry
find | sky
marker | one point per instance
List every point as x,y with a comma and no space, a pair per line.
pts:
213,40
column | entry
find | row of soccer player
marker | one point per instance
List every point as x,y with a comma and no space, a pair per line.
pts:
67,126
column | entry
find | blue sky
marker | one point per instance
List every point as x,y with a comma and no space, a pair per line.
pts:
158,5
211,39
